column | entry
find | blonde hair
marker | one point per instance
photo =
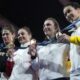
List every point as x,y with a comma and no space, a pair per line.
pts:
55,23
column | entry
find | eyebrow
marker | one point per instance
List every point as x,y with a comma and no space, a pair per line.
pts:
21,33
5,33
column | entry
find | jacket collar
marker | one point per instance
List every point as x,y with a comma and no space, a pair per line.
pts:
25,45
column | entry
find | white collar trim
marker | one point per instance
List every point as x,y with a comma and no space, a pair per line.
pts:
25,45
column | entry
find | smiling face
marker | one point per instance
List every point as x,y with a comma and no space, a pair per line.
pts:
23,36
49,28
7,36
71,13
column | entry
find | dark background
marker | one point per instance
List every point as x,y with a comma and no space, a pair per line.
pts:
33,13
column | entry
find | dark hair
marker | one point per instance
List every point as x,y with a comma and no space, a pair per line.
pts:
73,4
27,29
55,23
9,27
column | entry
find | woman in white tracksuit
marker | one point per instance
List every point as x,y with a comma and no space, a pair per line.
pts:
72,14
52,53
22,69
